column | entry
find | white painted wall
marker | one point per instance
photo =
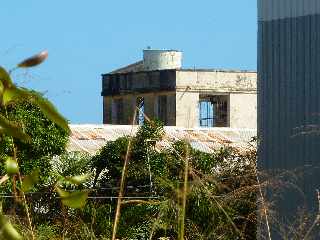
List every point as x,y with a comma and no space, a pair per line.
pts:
217,81
243,110
240,86
187,109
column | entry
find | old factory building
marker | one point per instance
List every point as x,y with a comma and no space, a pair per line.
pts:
158,87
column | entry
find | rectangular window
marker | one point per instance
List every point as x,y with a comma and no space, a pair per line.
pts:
206,113
162,109
213,111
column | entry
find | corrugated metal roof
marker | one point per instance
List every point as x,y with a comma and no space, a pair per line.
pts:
134,67
90,138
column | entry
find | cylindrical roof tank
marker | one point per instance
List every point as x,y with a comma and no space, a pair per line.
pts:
161,59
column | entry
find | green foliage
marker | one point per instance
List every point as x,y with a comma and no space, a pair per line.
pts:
219,187
11,166
47,231
136,221
70,164
220,200
7,230
64,167
30,180
48,139
26,115
110,157
12,129
76,199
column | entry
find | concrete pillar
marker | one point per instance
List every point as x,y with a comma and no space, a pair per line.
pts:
107,107
243,110
187,109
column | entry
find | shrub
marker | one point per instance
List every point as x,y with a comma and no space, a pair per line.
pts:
48,139
221,197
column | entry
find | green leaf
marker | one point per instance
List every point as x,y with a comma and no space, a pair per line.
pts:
7,230
1,87
5,78
62,193
50,111
30,180
34,60
73,199
13,93
11,129
77,179
11,166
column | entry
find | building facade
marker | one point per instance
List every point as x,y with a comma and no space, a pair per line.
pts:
289,99
159,88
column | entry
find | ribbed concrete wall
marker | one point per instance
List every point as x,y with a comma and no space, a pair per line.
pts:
289,93
281,9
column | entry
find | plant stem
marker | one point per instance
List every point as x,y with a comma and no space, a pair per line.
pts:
316,221
263,205
184,197
25,204
26,208
122,183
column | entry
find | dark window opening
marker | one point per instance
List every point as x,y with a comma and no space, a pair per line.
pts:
162,109
213,111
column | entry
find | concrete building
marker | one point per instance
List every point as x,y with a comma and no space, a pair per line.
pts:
289,101
160,88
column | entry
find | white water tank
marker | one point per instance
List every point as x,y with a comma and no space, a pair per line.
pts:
161,59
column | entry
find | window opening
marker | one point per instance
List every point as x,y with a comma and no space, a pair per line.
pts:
213,111
206,114
140,106
162,109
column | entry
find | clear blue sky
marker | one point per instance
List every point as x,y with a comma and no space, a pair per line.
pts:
88,38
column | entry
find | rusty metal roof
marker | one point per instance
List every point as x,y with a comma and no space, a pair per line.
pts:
90,138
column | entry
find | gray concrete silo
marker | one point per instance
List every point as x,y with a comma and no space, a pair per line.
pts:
161,59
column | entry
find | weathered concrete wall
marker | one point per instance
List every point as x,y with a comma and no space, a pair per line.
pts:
151,107
171,109
182,88
243,110
187,109
217,81
107,103
129,106
111,110
138,82
149,104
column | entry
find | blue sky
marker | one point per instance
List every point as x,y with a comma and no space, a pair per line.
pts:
88,38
